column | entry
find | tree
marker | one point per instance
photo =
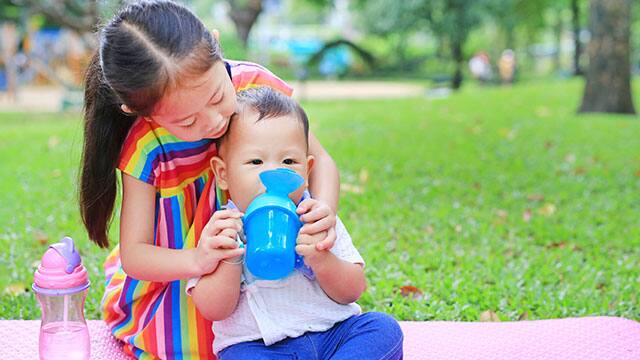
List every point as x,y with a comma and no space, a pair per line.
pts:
80,16
577,46
244,14
608,87
395,22
453,21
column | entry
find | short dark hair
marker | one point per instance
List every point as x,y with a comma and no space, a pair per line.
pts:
270,103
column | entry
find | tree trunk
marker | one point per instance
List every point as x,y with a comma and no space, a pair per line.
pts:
456,49
608,87
557,29
244,15
577,47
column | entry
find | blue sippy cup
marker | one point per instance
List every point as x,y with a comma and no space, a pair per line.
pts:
271,226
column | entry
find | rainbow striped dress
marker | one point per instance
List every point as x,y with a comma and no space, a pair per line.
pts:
157,319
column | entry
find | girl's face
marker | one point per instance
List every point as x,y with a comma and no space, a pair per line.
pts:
200,108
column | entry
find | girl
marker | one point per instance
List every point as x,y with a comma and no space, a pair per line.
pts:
157,93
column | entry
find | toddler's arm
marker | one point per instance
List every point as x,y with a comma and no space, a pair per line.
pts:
342,281
216,294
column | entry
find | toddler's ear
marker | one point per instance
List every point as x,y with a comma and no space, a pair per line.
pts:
216,34
220,170
310,161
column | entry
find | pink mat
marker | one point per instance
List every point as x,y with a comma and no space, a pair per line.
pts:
573,338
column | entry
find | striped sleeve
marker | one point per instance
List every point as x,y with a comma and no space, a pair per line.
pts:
140,152
246,75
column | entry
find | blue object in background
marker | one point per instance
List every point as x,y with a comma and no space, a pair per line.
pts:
335,61
271,226
3,80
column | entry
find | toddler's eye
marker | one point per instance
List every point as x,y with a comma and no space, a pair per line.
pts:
256,162
288,161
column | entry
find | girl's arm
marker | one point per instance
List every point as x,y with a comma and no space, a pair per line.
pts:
216,294
140,258
324,181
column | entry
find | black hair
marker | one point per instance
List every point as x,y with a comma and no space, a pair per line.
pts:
147,48
270,103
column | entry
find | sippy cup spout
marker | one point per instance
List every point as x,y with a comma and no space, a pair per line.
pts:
281,181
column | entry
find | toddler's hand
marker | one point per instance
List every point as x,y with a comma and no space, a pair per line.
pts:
218,240
306,245
318,218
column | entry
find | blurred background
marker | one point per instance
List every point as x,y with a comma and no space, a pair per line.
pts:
438,44
488,149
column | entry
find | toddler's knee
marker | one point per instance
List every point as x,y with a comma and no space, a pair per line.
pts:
386,325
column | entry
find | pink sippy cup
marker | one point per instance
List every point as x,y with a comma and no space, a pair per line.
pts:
61,284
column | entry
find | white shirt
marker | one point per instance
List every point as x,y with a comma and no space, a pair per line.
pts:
273,310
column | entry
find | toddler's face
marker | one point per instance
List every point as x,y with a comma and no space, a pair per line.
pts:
253,146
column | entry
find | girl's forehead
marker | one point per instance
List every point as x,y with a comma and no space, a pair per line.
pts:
191,94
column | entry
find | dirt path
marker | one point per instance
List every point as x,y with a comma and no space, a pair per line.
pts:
50,99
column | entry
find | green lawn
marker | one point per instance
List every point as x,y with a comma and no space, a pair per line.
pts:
497,199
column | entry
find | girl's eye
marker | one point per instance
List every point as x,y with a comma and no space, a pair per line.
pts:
256,162
216,100
189,124
288,161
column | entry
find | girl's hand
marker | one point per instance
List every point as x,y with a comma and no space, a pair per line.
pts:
318,218
218,240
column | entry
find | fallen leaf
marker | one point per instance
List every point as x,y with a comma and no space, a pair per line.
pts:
548,144
53,142
508,134
580,170
15,289
458,228
411,292
638,173
523,316
363,176
570,158
350,188
543,112
477,186
501,217
535,197
41,237
489,316
56,173
547,210
526,215
557,245
429,229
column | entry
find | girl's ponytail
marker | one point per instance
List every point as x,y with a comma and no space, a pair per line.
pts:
105,129
145,49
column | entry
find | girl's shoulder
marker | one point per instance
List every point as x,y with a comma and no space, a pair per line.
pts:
150,148
245,75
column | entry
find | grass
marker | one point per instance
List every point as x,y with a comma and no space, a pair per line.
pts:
494,199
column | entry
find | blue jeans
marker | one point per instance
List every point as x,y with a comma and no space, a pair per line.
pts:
369,336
